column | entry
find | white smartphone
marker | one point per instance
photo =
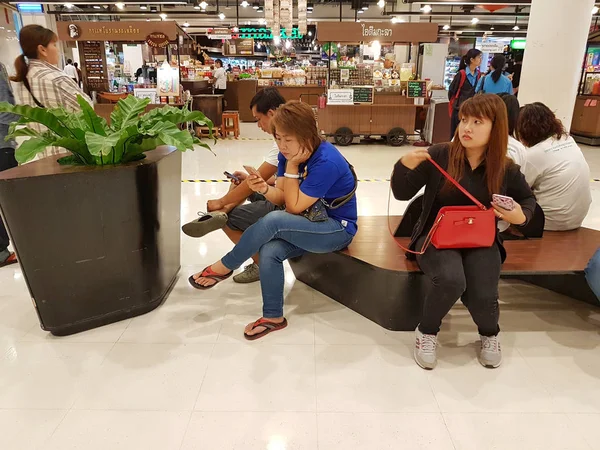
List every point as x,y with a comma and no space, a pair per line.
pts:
252,171
503,202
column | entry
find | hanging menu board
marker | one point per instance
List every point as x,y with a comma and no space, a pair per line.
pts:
363,94
416,89
94,65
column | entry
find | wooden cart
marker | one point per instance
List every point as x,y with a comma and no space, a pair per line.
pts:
390,116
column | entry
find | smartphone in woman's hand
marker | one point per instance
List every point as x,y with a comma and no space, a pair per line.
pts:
503,202
252,171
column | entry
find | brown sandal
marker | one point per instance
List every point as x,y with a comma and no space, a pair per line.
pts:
270,326
209,273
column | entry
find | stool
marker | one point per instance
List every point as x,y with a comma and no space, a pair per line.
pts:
230,123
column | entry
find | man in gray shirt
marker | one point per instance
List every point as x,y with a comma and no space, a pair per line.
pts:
7,158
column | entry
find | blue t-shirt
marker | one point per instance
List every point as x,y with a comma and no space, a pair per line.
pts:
489,87
327,175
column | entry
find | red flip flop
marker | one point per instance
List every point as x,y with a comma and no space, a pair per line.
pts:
270,326
209,273
12,259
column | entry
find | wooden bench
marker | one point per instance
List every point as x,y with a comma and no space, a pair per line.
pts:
374,278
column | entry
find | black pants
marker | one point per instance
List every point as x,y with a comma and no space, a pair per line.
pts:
454,123
469,274
7,161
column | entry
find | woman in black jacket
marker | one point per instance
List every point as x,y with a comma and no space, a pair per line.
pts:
477,159
464,84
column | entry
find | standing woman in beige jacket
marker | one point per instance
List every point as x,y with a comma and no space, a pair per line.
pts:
40,82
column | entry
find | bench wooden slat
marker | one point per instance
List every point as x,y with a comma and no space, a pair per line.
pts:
556,252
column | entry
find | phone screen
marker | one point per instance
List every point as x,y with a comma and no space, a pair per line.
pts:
230,176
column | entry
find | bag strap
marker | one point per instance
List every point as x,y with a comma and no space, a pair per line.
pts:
463,78
341,201
457,184
26,83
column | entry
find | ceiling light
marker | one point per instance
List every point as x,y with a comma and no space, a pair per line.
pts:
310,33
196,6
255,5
381,3
221,16
364,8
147,20
446,27
516,28
120,5
245,4
316,47
426,9
258,45
68,5
397,20
186,24
492,28
262,21
595,10
163,16
288,44
236,30
360,11
276,40
203,5
144,7
96,7
474,20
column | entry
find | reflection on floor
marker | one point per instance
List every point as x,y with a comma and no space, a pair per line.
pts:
183,377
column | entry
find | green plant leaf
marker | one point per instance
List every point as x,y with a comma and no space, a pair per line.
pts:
95,123
23,132
30,148
126,111
38,115
134,150
101,145
69,160
178,138
78,148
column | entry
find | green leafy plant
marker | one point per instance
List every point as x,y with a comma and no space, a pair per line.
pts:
92,142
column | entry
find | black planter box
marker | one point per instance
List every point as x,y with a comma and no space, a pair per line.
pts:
96,244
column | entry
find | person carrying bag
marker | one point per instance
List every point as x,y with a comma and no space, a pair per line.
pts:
459,220
463,85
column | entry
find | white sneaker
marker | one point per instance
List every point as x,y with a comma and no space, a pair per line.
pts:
425,350
491,354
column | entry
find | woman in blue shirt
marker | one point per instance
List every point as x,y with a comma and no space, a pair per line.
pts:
311,173
495,82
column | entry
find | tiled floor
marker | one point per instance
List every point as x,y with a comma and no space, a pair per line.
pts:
183,378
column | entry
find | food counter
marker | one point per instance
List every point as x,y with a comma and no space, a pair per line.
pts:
105,109
308,94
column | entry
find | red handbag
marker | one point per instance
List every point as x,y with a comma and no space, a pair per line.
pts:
460,226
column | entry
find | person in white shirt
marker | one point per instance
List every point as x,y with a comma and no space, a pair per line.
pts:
555,169
71,71
241,215
220,78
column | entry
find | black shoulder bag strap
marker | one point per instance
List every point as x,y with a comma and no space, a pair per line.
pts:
341,201
26,83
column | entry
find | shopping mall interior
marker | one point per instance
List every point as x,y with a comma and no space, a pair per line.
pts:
108,342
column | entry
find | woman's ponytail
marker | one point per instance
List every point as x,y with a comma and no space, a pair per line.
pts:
21,68
498,63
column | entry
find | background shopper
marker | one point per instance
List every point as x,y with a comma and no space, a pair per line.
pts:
7,157
495,82
463,85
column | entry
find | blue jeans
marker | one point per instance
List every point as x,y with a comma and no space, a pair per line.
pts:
592,273
279,236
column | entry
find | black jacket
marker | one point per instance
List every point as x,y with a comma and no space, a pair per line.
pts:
467,91
406,183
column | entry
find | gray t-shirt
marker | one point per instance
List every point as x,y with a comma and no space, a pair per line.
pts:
559,176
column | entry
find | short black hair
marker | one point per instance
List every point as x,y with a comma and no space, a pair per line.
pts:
219,61
267,99
75,64
69,61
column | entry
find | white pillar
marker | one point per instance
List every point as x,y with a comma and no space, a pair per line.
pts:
556,40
